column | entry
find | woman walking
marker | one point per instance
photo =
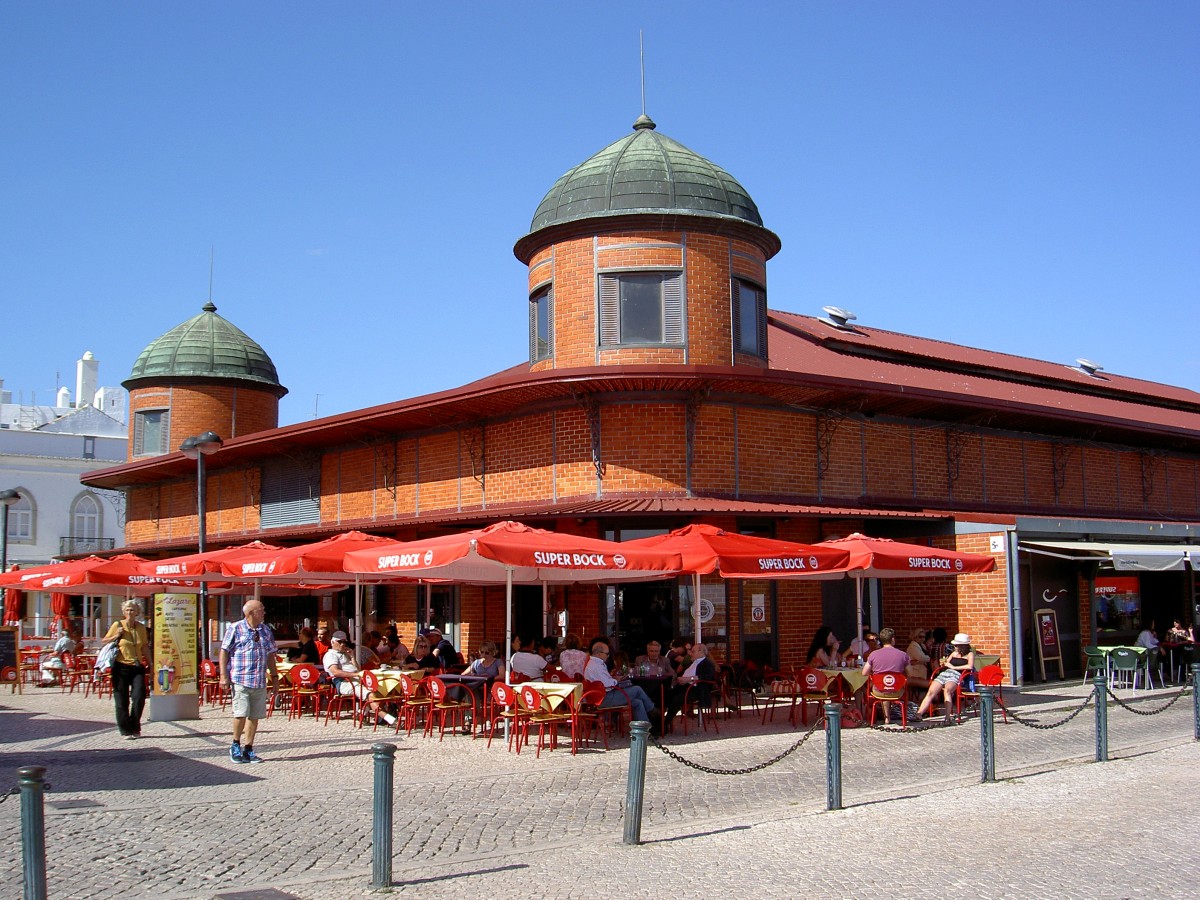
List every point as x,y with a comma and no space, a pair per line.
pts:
129,668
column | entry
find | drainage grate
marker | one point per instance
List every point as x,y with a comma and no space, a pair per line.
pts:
73,804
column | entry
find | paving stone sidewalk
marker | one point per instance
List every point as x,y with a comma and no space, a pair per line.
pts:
170,816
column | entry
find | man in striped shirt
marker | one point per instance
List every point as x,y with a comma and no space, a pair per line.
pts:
248,663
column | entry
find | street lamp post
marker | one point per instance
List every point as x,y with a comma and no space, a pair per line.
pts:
7,499
197,447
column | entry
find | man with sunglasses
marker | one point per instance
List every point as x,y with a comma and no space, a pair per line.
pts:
248,664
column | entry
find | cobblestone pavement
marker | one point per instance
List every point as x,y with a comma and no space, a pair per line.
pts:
170,816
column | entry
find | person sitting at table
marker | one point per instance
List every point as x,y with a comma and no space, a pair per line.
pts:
678,656
639,701
888,658
864,645
422,655
547,648
307,651
527,663
54,666
443,649
652,664
960,660
1149,639
701,669
618,664
917,670
938,647
1178,633
364,653
572,660
823,651
487,665
322,640
344,672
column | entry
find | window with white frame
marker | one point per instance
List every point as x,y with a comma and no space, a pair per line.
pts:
151,429
20,520
749,319
85,519
640,308
541,324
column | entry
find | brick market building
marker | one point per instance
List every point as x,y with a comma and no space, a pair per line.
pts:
661,389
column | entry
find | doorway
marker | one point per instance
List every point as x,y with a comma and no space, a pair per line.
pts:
643,613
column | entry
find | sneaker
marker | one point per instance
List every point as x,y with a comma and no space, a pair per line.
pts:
249,756
132,736
235,752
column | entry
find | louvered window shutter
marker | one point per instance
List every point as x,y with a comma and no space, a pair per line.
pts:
762,324
549,322
672,289
139,433
164,431
610,305
533,330
736,295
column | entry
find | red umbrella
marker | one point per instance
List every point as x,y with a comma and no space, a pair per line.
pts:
511,553
705,549
61,607
200,566
322,560
884,558
12,606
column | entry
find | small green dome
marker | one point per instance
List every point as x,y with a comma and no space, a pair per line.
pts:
205,346
645,172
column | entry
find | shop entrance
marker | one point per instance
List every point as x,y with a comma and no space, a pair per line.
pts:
643,613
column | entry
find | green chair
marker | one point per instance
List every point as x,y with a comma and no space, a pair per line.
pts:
1097,662
1127,664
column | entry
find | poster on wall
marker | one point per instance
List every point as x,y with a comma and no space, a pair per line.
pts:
174,685
1117,601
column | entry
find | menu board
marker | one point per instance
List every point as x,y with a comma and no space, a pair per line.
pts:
174,644
9,658
1049,645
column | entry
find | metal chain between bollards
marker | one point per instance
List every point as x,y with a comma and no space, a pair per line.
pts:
1043,726
1186,689
710,770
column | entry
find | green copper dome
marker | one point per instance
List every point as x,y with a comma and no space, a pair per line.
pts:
645,172
206,346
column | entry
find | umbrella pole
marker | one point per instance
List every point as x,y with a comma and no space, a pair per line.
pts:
858,598
696,603
358,611
507,636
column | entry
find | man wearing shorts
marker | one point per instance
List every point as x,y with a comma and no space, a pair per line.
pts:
248,664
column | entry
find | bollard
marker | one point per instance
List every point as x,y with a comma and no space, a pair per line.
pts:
987,731
1100,685
1196,700
636,788
381,834
833,755
33,830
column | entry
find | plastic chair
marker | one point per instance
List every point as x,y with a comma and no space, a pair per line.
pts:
1188,654
884,688
1095,662
1127,663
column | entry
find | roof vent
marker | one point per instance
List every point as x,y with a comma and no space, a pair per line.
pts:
837,318
1090,368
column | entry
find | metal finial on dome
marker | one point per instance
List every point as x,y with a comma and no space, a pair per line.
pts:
644,122
209,307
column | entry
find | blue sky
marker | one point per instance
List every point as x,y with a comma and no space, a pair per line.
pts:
1019,176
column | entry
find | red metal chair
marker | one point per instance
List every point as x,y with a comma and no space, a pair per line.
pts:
506,707
887,687
8,675
610,716
782,687
815,687
703,698
417,703
375,701
306,687
211,691
993,676
446,707
541,714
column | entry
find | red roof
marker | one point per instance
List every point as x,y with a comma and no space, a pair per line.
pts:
814,365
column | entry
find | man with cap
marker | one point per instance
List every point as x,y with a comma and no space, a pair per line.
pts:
248,664
340,666
442,648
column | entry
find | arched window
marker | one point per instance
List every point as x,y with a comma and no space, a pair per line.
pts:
20,520
85,521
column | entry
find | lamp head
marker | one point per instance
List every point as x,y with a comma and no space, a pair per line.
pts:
193,447
9,497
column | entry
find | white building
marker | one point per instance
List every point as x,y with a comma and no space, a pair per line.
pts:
43,451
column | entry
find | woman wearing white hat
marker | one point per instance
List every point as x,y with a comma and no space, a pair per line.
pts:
960,660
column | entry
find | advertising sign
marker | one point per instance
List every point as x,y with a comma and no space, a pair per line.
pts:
174,681
1049,646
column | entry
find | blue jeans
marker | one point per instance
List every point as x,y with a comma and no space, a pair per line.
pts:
639,700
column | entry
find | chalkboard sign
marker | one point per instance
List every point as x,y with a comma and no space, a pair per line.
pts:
1049,646
9,658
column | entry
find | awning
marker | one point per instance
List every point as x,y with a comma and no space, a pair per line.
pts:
1125,557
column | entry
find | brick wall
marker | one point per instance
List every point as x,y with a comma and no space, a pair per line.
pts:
230,410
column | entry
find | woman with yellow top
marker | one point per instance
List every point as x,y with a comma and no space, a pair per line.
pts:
129,668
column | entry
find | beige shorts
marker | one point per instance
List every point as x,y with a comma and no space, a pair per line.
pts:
249,703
